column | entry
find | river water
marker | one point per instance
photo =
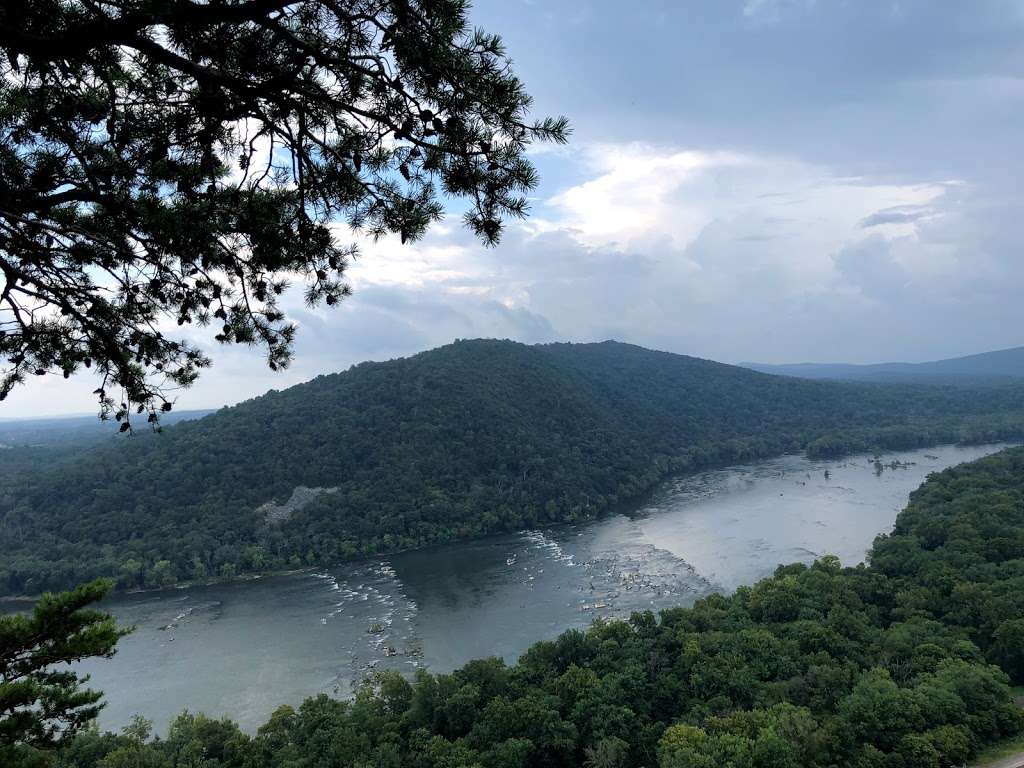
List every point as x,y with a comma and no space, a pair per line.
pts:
243,649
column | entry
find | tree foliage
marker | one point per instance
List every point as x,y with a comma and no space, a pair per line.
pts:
42,703
469,439
183,161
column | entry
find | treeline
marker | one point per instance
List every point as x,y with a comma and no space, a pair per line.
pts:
886,665
972,431
468,439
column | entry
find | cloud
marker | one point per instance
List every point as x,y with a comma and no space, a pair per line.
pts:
630,193
871,267
906,215
781,212
745,256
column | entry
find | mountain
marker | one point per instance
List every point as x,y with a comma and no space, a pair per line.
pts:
471,438
988,367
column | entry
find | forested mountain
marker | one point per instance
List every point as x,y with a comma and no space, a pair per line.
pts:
903,663
471,438
988,367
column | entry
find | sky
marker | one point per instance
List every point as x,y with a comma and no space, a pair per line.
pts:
748,180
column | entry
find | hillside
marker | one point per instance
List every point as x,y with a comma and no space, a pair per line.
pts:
988,367
471,438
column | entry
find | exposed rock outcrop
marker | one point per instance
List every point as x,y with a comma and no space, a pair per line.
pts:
301,496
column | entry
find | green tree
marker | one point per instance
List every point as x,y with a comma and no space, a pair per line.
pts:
135,751
161,574
684,746
197,741
952,743
1008,648
131,572
877,710
42,703
607,753
180,160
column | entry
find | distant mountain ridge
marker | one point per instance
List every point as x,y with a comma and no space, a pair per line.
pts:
54,431
471,438
33,443
993,367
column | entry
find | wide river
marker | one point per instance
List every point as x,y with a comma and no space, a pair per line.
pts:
243,649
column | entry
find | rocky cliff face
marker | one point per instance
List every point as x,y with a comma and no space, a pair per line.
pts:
301,496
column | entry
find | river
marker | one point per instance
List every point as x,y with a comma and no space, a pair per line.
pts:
243,649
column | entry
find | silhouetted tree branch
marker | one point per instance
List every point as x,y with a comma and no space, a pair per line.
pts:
182,162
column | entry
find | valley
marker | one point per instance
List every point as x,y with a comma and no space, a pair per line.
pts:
243,649
467,440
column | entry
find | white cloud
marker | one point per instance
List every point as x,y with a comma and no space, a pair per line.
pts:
631,196
761,213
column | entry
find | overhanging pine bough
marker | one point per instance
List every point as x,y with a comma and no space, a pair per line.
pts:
175,161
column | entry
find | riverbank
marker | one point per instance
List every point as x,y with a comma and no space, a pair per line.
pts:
237,579
245,647
668,471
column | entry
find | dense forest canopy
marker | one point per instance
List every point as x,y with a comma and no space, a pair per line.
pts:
901,663
184,162
467,439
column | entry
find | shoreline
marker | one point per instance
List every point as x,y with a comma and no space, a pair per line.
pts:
617,508
273,626
254,576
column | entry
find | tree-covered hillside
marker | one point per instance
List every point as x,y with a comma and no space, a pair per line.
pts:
474,437
895,664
